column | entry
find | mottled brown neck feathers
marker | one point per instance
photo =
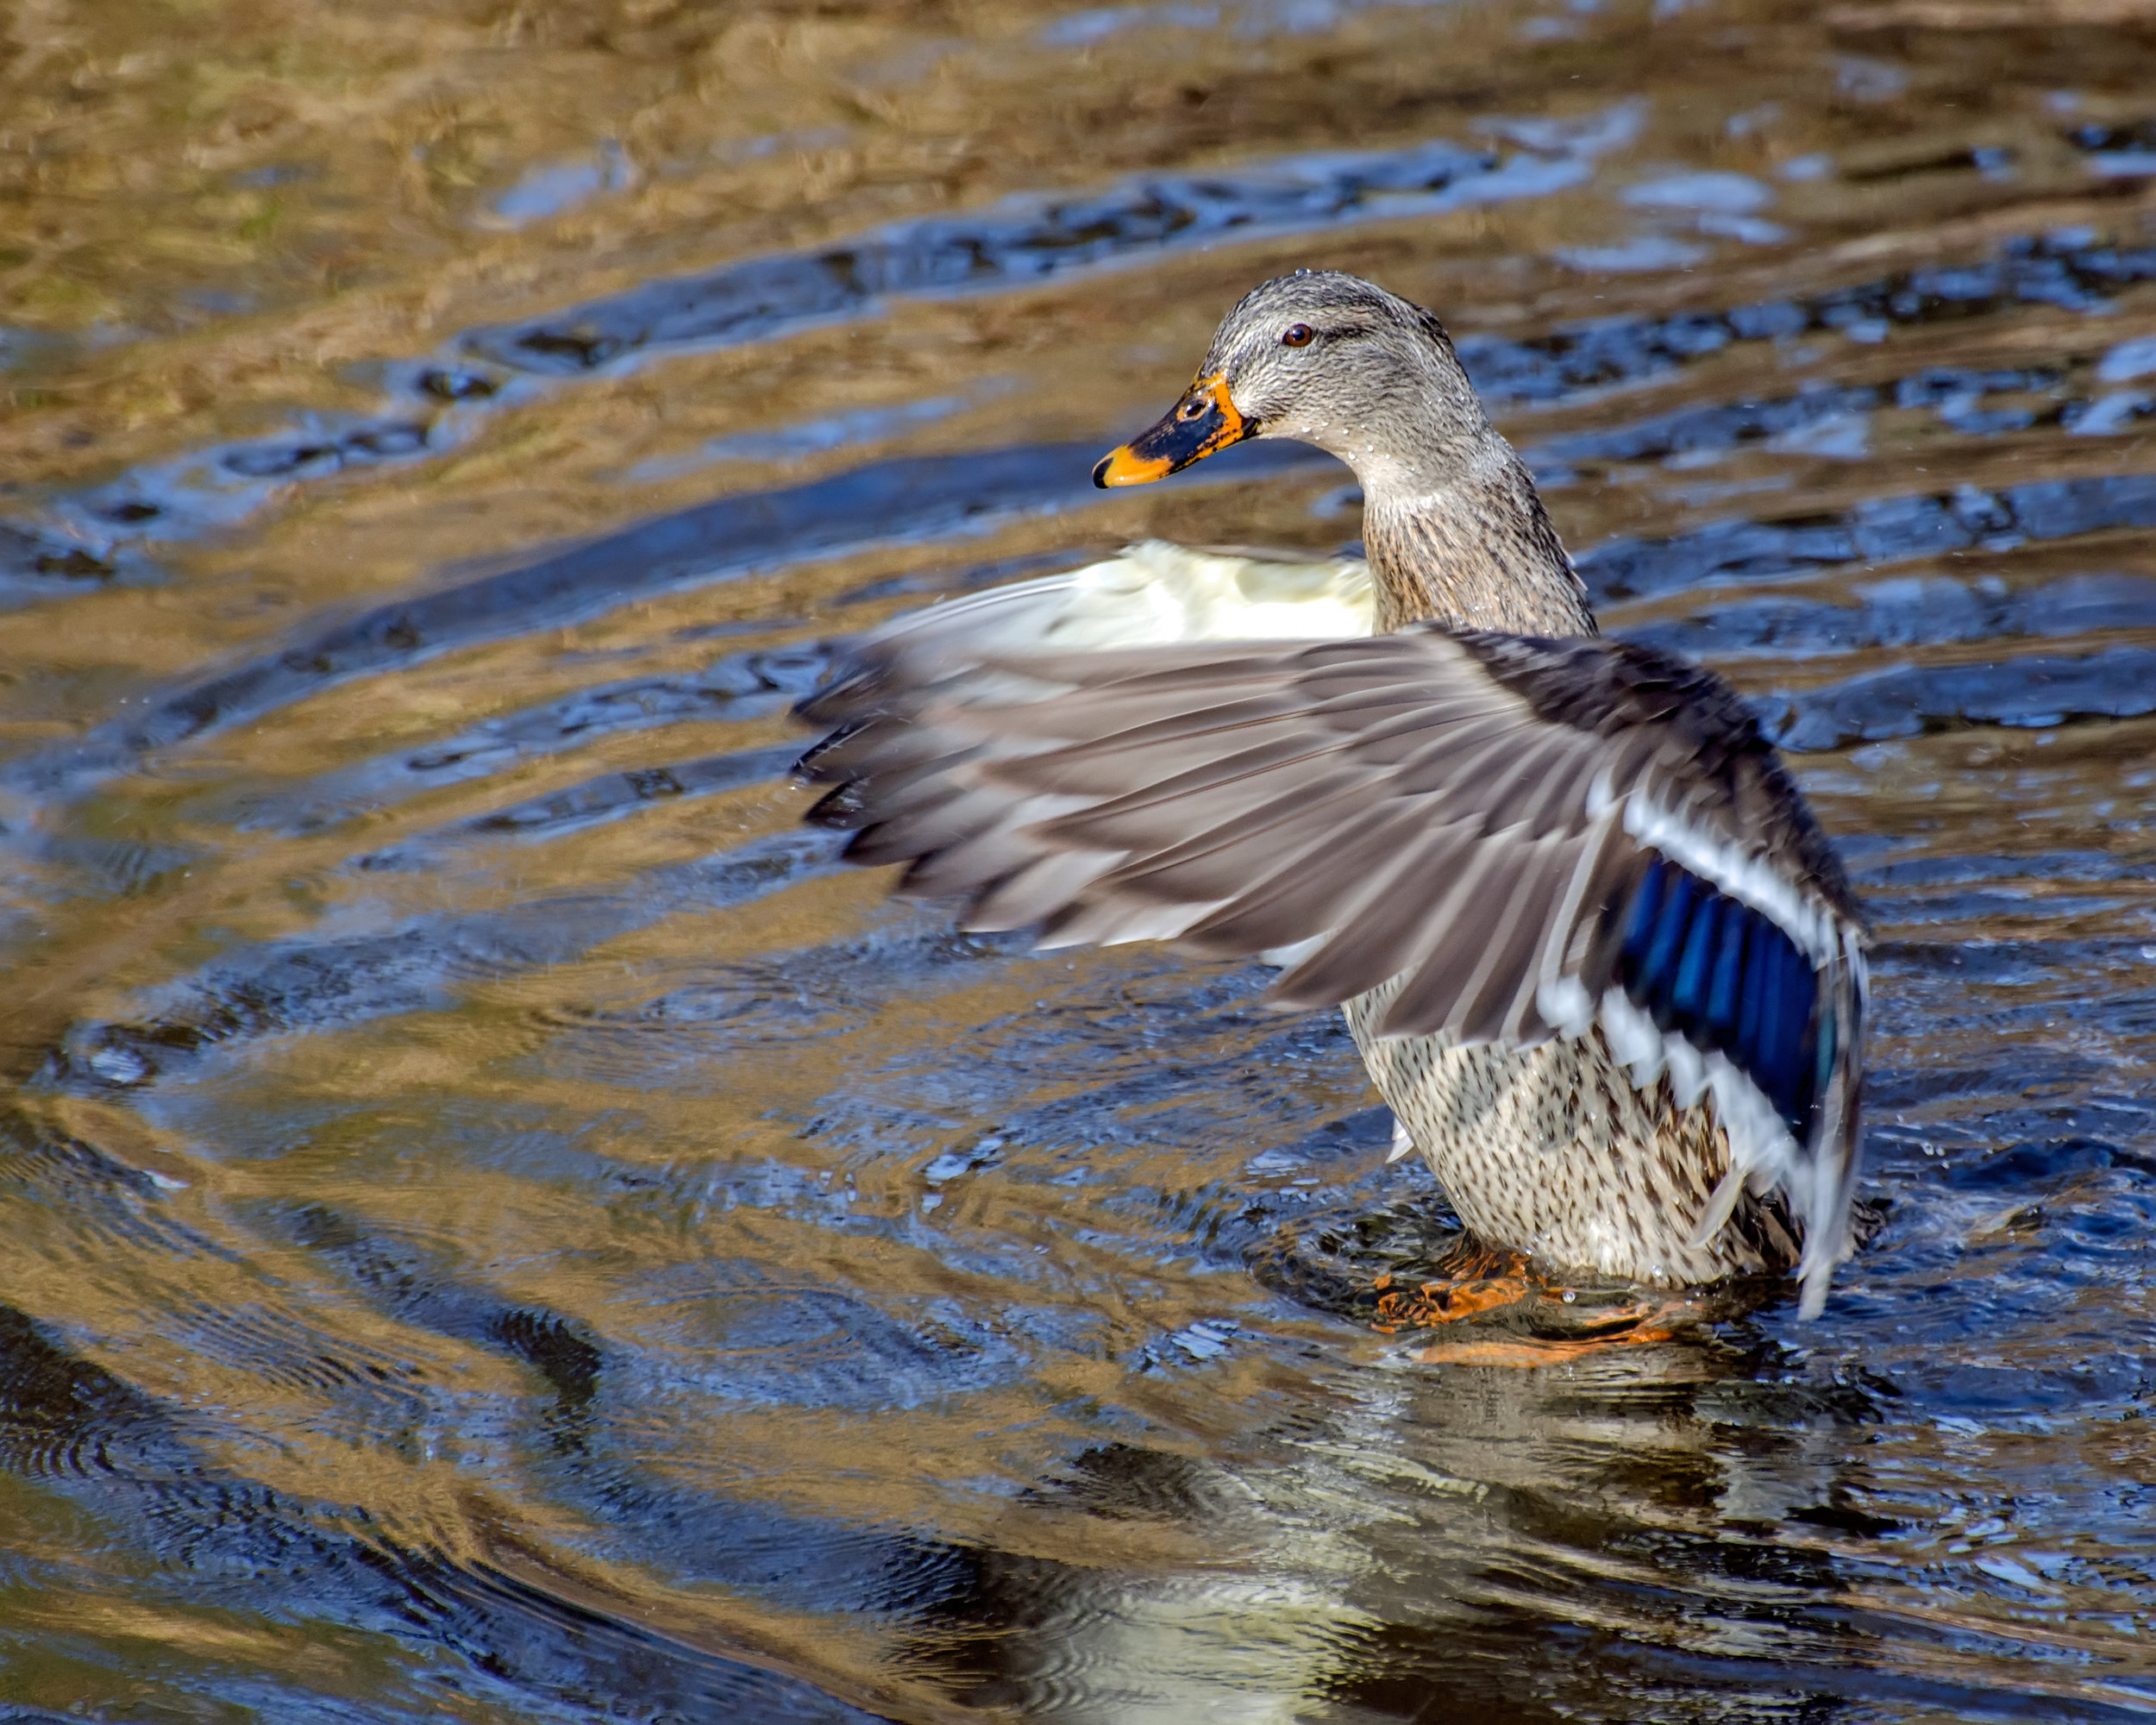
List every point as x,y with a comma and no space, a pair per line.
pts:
1479,555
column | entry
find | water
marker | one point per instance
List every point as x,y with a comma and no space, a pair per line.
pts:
499,1226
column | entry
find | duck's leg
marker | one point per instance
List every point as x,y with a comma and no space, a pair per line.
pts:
1481,1280
1477,1279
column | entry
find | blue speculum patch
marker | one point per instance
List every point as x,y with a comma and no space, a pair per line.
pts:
1727,977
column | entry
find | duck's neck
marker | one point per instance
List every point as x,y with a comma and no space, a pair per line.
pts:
1473,549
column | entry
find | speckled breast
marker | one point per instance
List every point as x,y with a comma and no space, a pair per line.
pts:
1553,1152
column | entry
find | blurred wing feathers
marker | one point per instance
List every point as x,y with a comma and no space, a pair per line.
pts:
1385,803
1469,815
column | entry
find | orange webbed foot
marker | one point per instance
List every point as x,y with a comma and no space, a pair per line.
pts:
1542,1322
1446,1301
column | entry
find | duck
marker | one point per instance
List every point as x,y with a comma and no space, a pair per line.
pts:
1600,961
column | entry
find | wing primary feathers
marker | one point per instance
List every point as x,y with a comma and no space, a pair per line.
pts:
1036,891
1239,852
1246,771
1364,857
1439,961
1503,986
1375,941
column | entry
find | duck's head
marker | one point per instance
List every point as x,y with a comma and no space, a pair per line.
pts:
1325,359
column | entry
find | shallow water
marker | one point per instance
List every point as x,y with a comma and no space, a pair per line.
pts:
499,1226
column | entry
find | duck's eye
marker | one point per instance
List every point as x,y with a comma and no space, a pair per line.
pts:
1297,335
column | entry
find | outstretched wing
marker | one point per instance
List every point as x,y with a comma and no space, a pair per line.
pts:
1535,836
1148,593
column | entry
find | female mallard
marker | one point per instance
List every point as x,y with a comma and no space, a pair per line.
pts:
1600,960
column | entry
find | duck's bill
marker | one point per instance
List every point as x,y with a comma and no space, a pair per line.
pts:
1204,421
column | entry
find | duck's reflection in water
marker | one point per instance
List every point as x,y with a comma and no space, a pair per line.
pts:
1645,1519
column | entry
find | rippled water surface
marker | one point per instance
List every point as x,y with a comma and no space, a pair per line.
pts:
497,1226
